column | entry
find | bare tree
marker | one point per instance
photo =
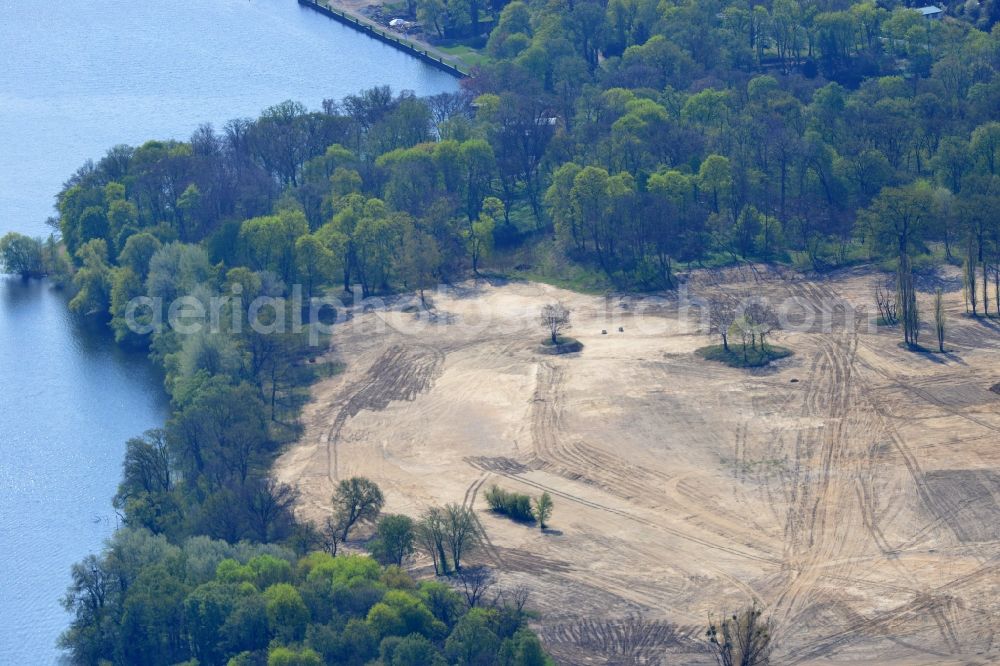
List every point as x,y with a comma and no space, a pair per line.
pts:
430,534
445,106
754,320
331,534
721,316
996,286
357,500
939,318
908,312
885,301
969,278
761,319
515,598
461,532
555,318
741,639
475,582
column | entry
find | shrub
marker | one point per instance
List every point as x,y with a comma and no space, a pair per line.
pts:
513,505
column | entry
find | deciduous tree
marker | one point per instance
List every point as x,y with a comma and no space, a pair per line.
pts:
555,318
394,539
461,532
357,499
543,509
21,255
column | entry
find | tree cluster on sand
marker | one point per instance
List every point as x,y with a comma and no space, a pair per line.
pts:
752,320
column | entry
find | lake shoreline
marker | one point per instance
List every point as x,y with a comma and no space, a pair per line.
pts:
76,88
61,456
346,13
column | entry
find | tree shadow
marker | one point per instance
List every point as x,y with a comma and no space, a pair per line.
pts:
933,355
987,322
931,279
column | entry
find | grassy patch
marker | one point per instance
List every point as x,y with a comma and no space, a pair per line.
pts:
329,369
560,340
582,281
562,345
738,357
544,262
466,54
395,8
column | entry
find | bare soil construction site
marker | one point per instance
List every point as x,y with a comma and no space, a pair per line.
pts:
853,488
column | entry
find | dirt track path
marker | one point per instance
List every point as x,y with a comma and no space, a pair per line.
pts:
400,373
850,490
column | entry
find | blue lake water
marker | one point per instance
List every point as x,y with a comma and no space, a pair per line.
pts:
76,78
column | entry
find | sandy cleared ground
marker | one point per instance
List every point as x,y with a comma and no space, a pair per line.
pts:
854,489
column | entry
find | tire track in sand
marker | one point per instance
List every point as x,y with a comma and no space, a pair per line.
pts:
834,504
400,373
469,502
579,461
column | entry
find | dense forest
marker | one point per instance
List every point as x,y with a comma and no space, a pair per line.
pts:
600,144
148,601
620,141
